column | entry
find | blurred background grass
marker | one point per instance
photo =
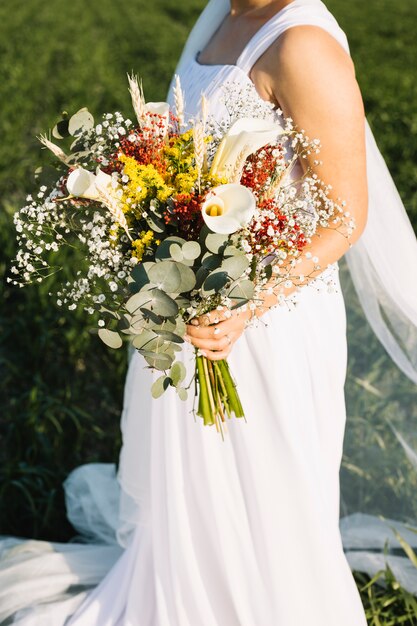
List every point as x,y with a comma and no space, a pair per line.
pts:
61,389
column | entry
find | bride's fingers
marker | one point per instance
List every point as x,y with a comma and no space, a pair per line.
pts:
223,343
216,331
216,356
212,317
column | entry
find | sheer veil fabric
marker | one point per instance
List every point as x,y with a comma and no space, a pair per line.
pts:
44,583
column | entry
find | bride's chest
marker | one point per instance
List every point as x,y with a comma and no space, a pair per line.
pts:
228,91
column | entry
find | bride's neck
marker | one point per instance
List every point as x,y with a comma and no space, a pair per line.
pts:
241,7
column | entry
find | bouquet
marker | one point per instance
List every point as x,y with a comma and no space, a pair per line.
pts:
175,219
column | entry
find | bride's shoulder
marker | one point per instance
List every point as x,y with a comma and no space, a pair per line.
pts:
310,40
308,56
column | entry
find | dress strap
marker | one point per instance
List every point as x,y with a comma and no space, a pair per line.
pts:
297,13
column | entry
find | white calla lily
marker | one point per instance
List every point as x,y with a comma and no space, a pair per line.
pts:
228,208
84,184
244,137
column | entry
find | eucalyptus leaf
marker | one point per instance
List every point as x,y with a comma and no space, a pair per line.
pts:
169,336
160,385
155,223
211,261
141,341
151,316
235,266
166,276
60,130
140,274
182,302
114,314
191,250
124,323
163,250
188,278
158,345
182,393
242,291
170,325
177,373
231,251
201,276
138,300
215,242
80,121
110,337
180,327
176,252
163,304
214,282
158,361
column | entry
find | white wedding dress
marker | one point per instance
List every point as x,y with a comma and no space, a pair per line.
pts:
241,532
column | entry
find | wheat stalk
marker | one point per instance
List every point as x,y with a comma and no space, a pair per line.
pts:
115,209
138,99
236,173
56,150
270,192
179,100
199,149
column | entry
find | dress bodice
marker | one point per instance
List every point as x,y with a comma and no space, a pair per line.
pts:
228,87
216,80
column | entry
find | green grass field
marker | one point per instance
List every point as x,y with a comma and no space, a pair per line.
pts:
60,388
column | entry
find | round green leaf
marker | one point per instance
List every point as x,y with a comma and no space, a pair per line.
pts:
211,261
176,252
138,300
140,274
80,121
235,265
110,338
160,362
141,341
152,318
191,250
178,373
231,251
163,304
180,327
166,276
215,242
156,223
215,282
167,335
188,278
60,130
242,291
160,385
182,393
201,276
163,250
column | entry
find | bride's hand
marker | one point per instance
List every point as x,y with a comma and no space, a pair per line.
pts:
216,332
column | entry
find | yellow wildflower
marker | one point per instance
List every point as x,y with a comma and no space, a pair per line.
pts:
139,245
145,183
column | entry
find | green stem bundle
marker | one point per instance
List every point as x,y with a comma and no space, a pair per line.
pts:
217,394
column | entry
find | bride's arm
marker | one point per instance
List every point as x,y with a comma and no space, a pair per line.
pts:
308,74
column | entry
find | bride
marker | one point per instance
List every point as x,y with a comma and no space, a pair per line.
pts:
243,532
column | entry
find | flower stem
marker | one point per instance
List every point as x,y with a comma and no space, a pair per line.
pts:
217,393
